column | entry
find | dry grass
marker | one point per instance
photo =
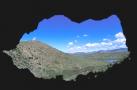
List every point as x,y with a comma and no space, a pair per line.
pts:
47,62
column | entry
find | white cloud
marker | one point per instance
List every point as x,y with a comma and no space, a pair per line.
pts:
123,40
85,35
76,49
105,44
70,43
120,38
119,35
34,38
105,39
91,44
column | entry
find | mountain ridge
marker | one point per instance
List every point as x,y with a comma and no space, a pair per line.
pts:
47,62
104,51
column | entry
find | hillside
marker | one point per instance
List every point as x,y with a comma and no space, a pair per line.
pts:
47,62
115,54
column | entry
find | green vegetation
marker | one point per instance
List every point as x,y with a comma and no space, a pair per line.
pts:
47,62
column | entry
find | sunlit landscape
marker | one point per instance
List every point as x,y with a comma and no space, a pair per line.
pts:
59,46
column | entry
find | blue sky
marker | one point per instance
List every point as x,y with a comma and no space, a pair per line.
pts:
68,36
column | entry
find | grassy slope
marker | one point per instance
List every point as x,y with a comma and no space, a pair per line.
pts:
47,62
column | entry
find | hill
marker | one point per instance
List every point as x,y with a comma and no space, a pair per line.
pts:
47,62
115,54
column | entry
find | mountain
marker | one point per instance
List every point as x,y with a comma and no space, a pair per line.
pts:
102,51
47,62
114,50
120,50
115,54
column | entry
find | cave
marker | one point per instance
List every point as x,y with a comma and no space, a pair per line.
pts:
19,17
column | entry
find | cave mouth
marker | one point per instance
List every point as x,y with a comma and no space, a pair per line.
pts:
60,46
89,35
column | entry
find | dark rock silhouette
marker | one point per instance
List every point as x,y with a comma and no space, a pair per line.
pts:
18,17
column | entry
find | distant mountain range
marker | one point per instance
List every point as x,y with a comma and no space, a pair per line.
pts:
115,50
102,51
